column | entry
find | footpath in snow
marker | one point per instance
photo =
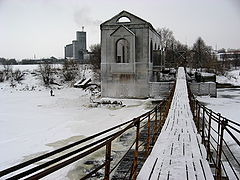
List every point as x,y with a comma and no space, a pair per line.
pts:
177,153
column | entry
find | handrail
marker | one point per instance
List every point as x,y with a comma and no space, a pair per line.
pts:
151,120
44,156
214,129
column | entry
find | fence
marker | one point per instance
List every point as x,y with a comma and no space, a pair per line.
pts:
145,127
220,137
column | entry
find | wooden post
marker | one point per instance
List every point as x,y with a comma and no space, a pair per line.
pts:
135,161
107,160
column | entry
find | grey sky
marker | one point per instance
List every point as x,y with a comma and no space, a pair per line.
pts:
44,27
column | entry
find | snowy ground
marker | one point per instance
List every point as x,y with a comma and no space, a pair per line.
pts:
32,122
231,77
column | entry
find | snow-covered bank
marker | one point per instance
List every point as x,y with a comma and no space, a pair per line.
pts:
231,77
32,122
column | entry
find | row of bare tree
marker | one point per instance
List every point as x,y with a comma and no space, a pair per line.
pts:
8,73
199,56
70,70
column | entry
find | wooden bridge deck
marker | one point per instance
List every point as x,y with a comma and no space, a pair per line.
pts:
178,152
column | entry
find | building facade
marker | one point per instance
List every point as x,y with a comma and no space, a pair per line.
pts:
129,46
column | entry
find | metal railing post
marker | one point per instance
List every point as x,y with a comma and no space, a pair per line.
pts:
107,161
209,135
219,153
218,139
148,134
203,126
195,109
155,125
135,161
198,118
160,116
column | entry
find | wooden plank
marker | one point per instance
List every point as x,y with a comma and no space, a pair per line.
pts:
191,171
164,172
178,148
207,170
199,172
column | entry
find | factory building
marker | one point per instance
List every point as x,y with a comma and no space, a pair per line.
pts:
77,50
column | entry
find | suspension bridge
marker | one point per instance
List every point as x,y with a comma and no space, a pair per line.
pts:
178,139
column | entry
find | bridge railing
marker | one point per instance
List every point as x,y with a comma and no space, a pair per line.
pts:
143,131
220,137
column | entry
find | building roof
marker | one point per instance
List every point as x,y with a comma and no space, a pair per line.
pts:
133,20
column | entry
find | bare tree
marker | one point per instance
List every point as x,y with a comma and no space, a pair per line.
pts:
236,59
7,70
46,73
2,76
167,38
95,59
70,70
18,75
202,56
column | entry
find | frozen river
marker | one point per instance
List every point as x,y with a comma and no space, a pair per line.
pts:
32,122
227,103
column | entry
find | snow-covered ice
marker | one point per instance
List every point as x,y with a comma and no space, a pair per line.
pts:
230,77
227,104
32,122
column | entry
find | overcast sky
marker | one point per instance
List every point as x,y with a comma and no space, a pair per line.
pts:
44,27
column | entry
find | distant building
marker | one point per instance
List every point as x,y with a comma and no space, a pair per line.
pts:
77,50
51,60
228,55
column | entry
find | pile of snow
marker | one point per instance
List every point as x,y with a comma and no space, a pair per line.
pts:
230,77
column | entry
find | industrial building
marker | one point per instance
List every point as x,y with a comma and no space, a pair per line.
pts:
77,50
